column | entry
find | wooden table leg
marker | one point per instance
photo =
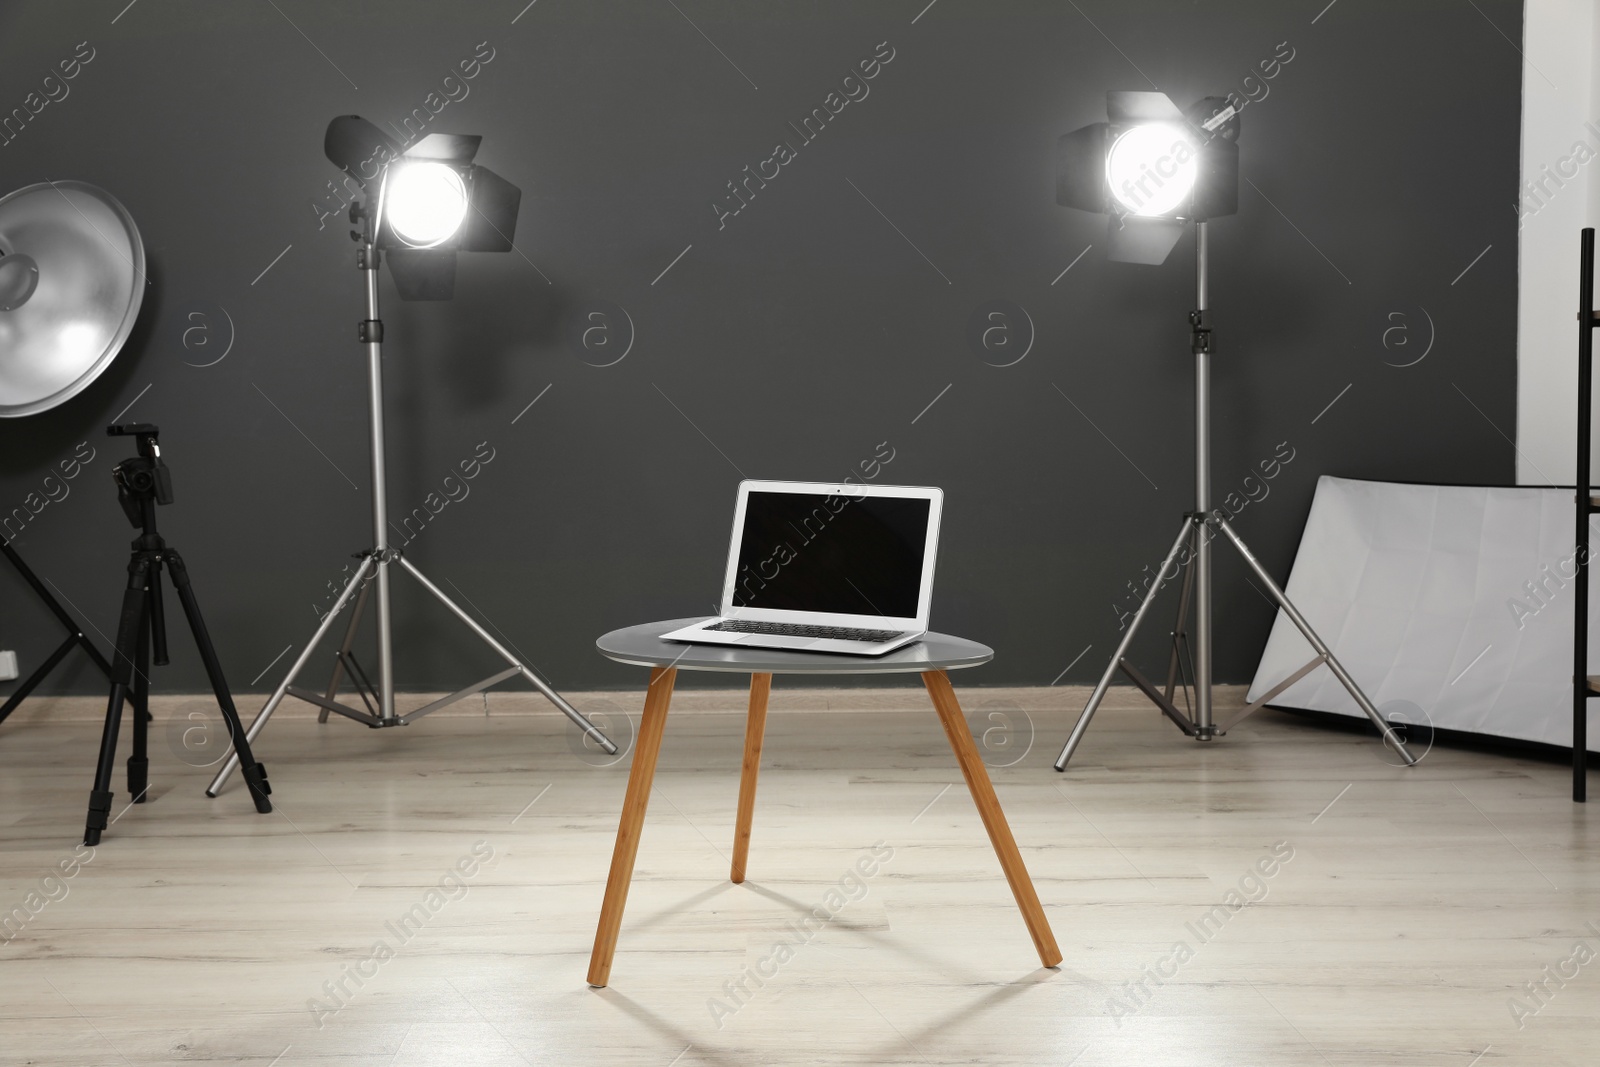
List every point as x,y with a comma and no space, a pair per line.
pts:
754,729
994,820
641,776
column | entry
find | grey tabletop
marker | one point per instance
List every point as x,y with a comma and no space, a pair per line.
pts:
642,646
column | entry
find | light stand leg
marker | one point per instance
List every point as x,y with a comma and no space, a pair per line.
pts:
1127,638
22,691
1180,636
265,713
75,638
385,646
344,649
526,671
1203,728
1389,737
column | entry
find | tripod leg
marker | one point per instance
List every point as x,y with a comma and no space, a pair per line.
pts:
139,762
255,775
539,683
158,617
260,721
1390,738
1116,657
152,649
129,628
344,649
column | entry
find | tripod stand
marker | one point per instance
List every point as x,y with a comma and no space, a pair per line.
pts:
1194,543
377,709
142,483
75,638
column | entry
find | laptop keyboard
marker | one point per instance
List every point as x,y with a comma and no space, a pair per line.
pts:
791,629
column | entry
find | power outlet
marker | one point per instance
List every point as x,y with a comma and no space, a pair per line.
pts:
8,666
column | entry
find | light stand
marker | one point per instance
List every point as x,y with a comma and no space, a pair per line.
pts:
75,638
1148,241
378,700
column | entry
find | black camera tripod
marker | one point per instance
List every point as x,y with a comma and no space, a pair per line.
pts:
143,482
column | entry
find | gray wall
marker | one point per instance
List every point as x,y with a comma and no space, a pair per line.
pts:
789,341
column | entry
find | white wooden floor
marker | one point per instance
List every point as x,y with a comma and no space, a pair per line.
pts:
1415,907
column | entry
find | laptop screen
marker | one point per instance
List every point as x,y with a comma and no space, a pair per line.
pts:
847,555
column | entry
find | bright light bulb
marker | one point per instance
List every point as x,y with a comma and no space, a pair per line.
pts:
1151,169
425,203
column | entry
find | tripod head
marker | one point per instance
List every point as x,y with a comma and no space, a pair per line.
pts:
143,480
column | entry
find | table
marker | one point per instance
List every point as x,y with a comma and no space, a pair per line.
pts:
932,657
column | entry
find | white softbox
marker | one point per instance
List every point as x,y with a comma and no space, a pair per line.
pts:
1455,600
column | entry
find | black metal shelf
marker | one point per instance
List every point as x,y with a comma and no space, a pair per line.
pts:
1587,502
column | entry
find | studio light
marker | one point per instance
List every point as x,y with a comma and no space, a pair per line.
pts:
1151,169
424,204
1154,168
431,201
72,280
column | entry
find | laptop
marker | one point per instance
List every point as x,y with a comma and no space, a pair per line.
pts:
822,567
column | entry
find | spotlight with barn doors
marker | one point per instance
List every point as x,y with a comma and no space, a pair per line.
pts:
1154,168
431,201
